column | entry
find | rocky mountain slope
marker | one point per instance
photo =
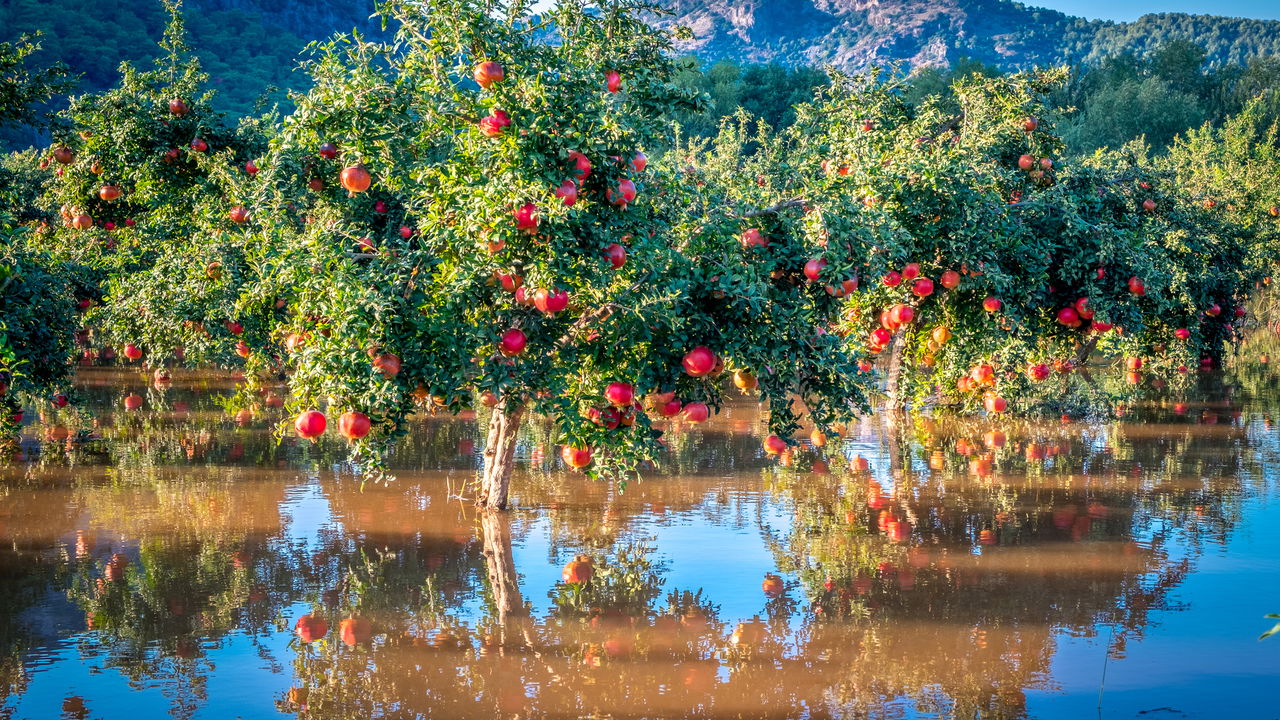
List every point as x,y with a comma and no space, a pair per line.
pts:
854,34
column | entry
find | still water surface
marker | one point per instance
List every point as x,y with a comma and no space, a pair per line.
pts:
158,567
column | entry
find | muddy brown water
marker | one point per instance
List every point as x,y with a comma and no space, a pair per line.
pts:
155,563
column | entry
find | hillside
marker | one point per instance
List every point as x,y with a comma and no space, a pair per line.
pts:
246,46
854,34
251,47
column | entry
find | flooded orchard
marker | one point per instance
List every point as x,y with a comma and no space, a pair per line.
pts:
177,560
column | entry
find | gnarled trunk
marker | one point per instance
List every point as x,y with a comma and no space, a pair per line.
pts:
503,579
499,457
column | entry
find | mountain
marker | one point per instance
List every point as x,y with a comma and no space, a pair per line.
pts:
854,34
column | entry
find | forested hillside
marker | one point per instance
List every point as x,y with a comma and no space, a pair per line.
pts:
250,48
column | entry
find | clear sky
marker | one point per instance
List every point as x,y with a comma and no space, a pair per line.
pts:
1132,9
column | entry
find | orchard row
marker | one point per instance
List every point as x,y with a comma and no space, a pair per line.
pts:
471,215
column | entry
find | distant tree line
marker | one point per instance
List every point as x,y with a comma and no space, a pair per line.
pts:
1107,104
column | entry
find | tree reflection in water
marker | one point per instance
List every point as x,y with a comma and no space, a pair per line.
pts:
940,579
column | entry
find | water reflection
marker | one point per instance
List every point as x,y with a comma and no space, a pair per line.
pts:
177,560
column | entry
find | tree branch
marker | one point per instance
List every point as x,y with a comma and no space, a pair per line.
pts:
775,209
599,313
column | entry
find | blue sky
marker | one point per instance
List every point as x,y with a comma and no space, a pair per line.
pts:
1132,9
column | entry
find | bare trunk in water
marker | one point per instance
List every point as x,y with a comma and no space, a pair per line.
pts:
499,457
503,580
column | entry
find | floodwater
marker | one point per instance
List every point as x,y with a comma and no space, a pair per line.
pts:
154,563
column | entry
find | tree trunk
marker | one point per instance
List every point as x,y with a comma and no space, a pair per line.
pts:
503,580
893,375
499,456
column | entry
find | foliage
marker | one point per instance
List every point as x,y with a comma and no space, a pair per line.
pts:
160,231
883,184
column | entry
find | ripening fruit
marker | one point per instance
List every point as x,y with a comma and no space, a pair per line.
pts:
581,165
699,361
620,394
576,457
1137,287
1038,372
550,301
911,271
1149,205
941,334
623,194
487,73
238,214
902,314
612,81
388,364
775,445
696,412
949,279
744,380
1133,363
922,287
994,403
616,255
132,352
328,151
109,193
577,571
199,145
251,168
1030,124
82,221
493,124
132,401
568,193
752,238
64,155
813,269
513,342
892,279
355,179
1026,163
992,304
178,107
983,374
1069,317
1182,334
526,216
1213,310
354,425
1082,308
639,162
310,424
